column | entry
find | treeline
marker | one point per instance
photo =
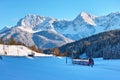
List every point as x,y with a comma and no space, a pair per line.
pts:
54,51
34,48
106,45
12,41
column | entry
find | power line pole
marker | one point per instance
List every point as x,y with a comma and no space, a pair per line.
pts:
66,59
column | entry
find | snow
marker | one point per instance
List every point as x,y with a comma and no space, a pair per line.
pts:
53,68
17,50
26,29
88,18
35,23
4,29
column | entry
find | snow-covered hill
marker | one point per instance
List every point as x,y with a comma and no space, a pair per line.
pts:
17,50
47,32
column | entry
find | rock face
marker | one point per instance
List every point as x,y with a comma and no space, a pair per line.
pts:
47,32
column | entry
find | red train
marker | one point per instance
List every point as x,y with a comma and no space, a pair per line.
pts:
88,62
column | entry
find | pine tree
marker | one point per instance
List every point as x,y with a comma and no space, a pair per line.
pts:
56,51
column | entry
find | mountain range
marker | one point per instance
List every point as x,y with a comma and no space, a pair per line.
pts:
47,32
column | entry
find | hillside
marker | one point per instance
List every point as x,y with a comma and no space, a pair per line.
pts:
106,45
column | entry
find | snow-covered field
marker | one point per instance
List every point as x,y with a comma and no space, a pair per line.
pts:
55,68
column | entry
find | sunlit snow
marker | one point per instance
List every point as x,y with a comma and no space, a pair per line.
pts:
53,68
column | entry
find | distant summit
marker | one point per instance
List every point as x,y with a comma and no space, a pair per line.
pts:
36,22
86,18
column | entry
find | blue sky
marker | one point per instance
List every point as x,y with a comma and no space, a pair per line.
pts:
12,10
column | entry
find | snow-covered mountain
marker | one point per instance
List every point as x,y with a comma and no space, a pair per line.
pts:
109,22
81,26
32,23
47,32
35,30
85,25
42,39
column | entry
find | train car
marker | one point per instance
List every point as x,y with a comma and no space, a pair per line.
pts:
88,62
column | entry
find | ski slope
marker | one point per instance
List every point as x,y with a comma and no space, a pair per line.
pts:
55,68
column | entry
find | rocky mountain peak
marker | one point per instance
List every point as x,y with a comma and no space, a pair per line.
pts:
87,18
